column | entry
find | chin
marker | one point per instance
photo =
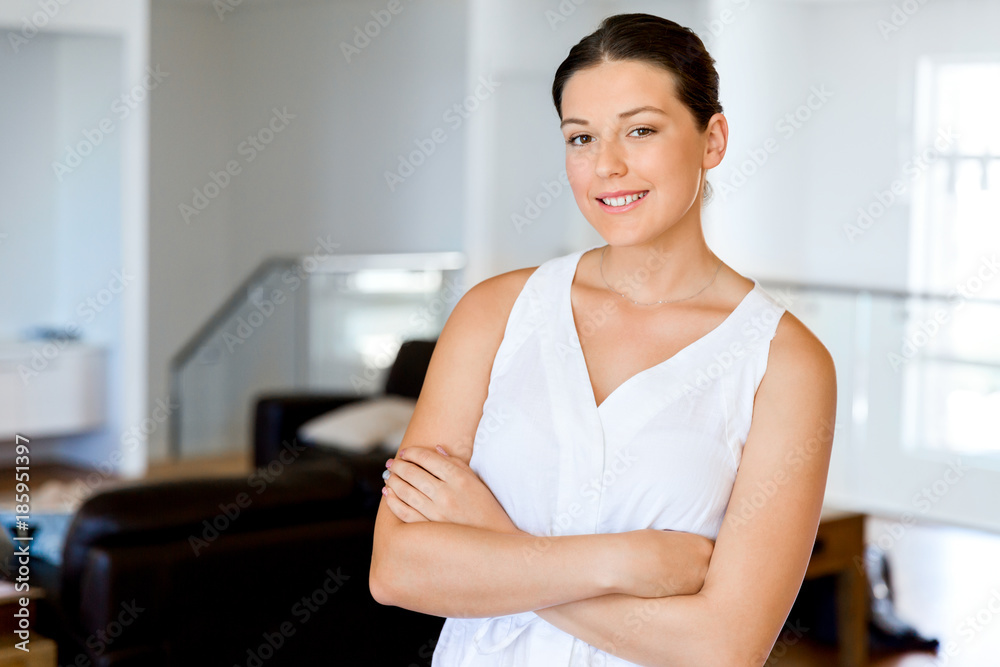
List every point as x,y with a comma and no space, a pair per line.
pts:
625,235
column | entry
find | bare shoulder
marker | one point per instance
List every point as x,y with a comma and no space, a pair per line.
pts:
487,304
797,357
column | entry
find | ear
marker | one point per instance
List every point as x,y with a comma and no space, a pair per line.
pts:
716,140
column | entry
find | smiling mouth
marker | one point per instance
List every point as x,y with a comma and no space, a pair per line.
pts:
621,202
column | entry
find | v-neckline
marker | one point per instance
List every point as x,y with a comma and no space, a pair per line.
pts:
568,304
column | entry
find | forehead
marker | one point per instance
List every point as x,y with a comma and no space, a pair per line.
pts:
612,87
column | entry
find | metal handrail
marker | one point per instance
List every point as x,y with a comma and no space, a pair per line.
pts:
873,291
232,303
441,261
447,261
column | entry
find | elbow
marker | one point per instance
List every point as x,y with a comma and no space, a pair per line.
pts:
742,651
733,641
378,587
744,656
390,579
380,583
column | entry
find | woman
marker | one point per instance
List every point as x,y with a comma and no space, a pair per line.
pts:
618,457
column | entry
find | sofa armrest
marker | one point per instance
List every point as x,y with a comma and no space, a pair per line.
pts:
206,584
187,511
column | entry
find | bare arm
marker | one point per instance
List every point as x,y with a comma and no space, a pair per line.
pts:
762,551
465,571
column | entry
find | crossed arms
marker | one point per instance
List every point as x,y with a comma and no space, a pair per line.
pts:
444,546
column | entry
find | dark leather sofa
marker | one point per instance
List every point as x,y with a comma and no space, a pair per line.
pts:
260,571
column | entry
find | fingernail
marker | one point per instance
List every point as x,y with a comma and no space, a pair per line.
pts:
386,474
385,491
401,452
441,450
388,464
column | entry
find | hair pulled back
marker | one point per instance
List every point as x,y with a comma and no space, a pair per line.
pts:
656,41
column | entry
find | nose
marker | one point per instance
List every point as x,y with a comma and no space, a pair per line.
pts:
610,160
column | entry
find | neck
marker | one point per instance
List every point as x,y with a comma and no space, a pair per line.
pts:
665,268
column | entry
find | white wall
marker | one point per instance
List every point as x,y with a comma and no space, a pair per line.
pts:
787,221
323,175
66,238
29,220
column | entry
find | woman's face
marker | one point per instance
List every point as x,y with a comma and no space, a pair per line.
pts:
628,135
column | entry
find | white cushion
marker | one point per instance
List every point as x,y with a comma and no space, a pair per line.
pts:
361,426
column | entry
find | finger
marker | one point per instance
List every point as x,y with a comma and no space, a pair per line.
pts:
403,512
405,492
416,475
436,464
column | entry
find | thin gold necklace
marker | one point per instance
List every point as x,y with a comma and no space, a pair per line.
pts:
655,303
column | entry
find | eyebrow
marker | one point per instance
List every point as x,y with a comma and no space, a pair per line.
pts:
623,115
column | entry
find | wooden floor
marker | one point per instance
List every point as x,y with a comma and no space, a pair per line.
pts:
946,579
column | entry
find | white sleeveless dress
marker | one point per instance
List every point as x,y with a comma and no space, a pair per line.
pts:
661,451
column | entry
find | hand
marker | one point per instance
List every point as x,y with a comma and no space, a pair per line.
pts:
660,563
429,485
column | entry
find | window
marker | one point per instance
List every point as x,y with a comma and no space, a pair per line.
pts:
951,385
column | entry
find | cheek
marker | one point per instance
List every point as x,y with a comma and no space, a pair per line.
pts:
578,173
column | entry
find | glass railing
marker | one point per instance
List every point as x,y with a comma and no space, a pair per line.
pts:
918,375
304,324
918,395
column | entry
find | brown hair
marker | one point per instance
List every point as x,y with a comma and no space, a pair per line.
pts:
657,41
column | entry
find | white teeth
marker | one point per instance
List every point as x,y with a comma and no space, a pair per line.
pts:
621,201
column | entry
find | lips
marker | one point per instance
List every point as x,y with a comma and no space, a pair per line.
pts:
619,193
621,202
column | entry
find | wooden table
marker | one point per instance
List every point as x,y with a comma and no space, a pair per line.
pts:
840,550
